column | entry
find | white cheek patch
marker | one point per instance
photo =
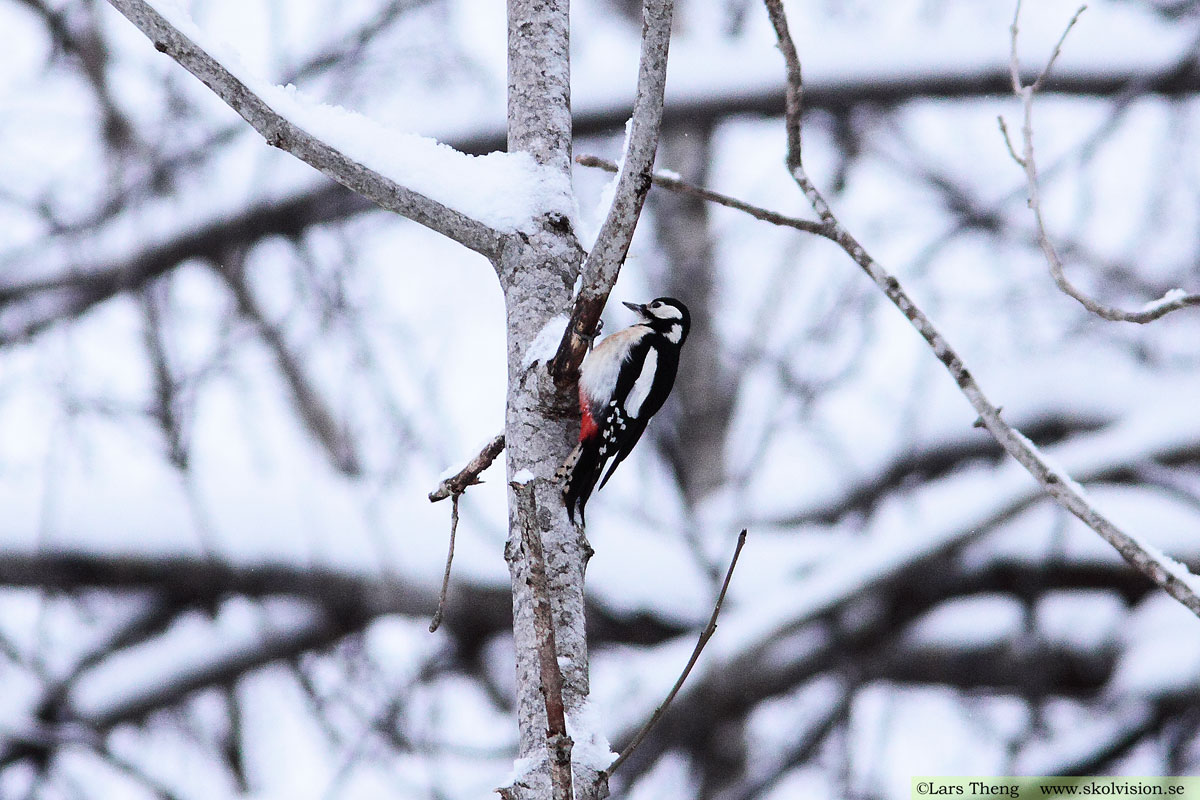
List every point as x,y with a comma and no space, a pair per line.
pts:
667,312
673,335
641,387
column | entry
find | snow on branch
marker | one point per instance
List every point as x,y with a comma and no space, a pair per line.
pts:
1174,299
603,263
805,616
471,199
1053,480
458,482
453,487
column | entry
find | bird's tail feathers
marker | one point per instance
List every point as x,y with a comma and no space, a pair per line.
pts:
630,439
579,473
612,468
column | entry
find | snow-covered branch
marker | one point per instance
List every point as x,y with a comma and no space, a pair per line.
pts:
1172,577
469,475
603,263
284,133
889,581
1172,300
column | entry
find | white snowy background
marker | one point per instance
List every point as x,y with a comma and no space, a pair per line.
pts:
217,558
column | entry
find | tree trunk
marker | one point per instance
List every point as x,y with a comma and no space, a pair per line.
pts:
538,272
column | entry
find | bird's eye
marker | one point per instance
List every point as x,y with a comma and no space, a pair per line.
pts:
655,304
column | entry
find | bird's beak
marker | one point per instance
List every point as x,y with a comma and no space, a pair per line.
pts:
640,310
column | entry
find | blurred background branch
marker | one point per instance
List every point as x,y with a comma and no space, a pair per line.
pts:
199,597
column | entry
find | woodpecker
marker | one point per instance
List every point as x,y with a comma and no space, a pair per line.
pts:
623,382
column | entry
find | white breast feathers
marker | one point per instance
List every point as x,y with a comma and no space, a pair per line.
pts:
600,370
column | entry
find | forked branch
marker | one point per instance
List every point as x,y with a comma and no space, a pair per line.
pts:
1172,577
1155,309
453,487
603,263
469,475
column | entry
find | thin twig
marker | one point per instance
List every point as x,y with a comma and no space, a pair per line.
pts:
1173,578
1008,142
436,622
666,181
705,635
602,265
558,742
1056,52
469,475
453,487
1172,300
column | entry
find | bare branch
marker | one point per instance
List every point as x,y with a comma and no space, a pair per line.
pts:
1172,300
187,580
453,487
926,462
1053,481
436,622
469,475
165,407
666,181
803,749
127,766
1054,54
793,93
603,263
78,288
282,133
476,610
82,286
705,635
1008,142
903,591
319,630
1135,726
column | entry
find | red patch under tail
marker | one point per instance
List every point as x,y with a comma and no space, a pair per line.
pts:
587,425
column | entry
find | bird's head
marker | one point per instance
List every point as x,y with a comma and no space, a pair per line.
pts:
665,315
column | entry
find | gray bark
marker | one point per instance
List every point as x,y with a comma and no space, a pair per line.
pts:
538,274
540,425
537,270
604,262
